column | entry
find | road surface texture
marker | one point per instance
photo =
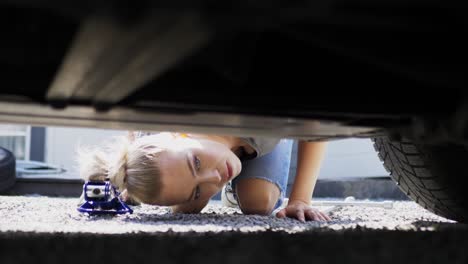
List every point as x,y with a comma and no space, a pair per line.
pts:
50,230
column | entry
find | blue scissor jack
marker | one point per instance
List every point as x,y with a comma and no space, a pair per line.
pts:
102,198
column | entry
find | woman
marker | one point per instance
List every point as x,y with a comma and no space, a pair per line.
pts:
185,171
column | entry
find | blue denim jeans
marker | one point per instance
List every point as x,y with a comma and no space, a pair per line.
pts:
272,167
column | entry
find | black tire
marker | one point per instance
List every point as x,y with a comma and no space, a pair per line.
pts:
435,177
7,170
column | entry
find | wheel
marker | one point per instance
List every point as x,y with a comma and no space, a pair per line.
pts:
7,169
434,176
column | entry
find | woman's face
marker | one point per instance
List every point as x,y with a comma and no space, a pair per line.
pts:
194,168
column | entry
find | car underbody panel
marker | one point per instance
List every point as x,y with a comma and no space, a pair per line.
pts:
310,70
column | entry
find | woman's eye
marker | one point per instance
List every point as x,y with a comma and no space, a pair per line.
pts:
197,192
197,163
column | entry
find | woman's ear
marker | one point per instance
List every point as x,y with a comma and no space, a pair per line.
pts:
128,199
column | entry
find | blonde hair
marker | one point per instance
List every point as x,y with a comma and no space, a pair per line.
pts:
130,165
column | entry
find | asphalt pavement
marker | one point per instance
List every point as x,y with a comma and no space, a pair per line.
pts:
51,230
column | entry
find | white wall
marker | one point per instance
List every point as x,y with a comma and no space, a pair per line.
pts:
347,158
355,157
61,143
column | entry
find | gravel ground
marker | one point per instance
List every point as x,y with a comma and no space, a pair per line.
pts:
47,214
50,230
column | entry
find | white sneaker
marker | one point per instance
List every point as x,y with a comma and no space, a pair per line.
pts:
227,196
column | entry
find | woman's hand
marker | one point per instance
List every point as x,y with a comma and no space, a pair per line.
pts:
302,211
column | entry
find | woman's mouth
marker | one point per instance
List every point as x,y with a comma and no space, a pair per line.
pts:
228,171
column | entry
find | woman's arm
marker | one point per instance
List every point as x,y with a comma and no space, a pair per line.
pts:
309,159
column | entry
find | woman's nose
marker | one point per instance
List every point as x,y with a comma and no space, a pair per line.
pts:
211,176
